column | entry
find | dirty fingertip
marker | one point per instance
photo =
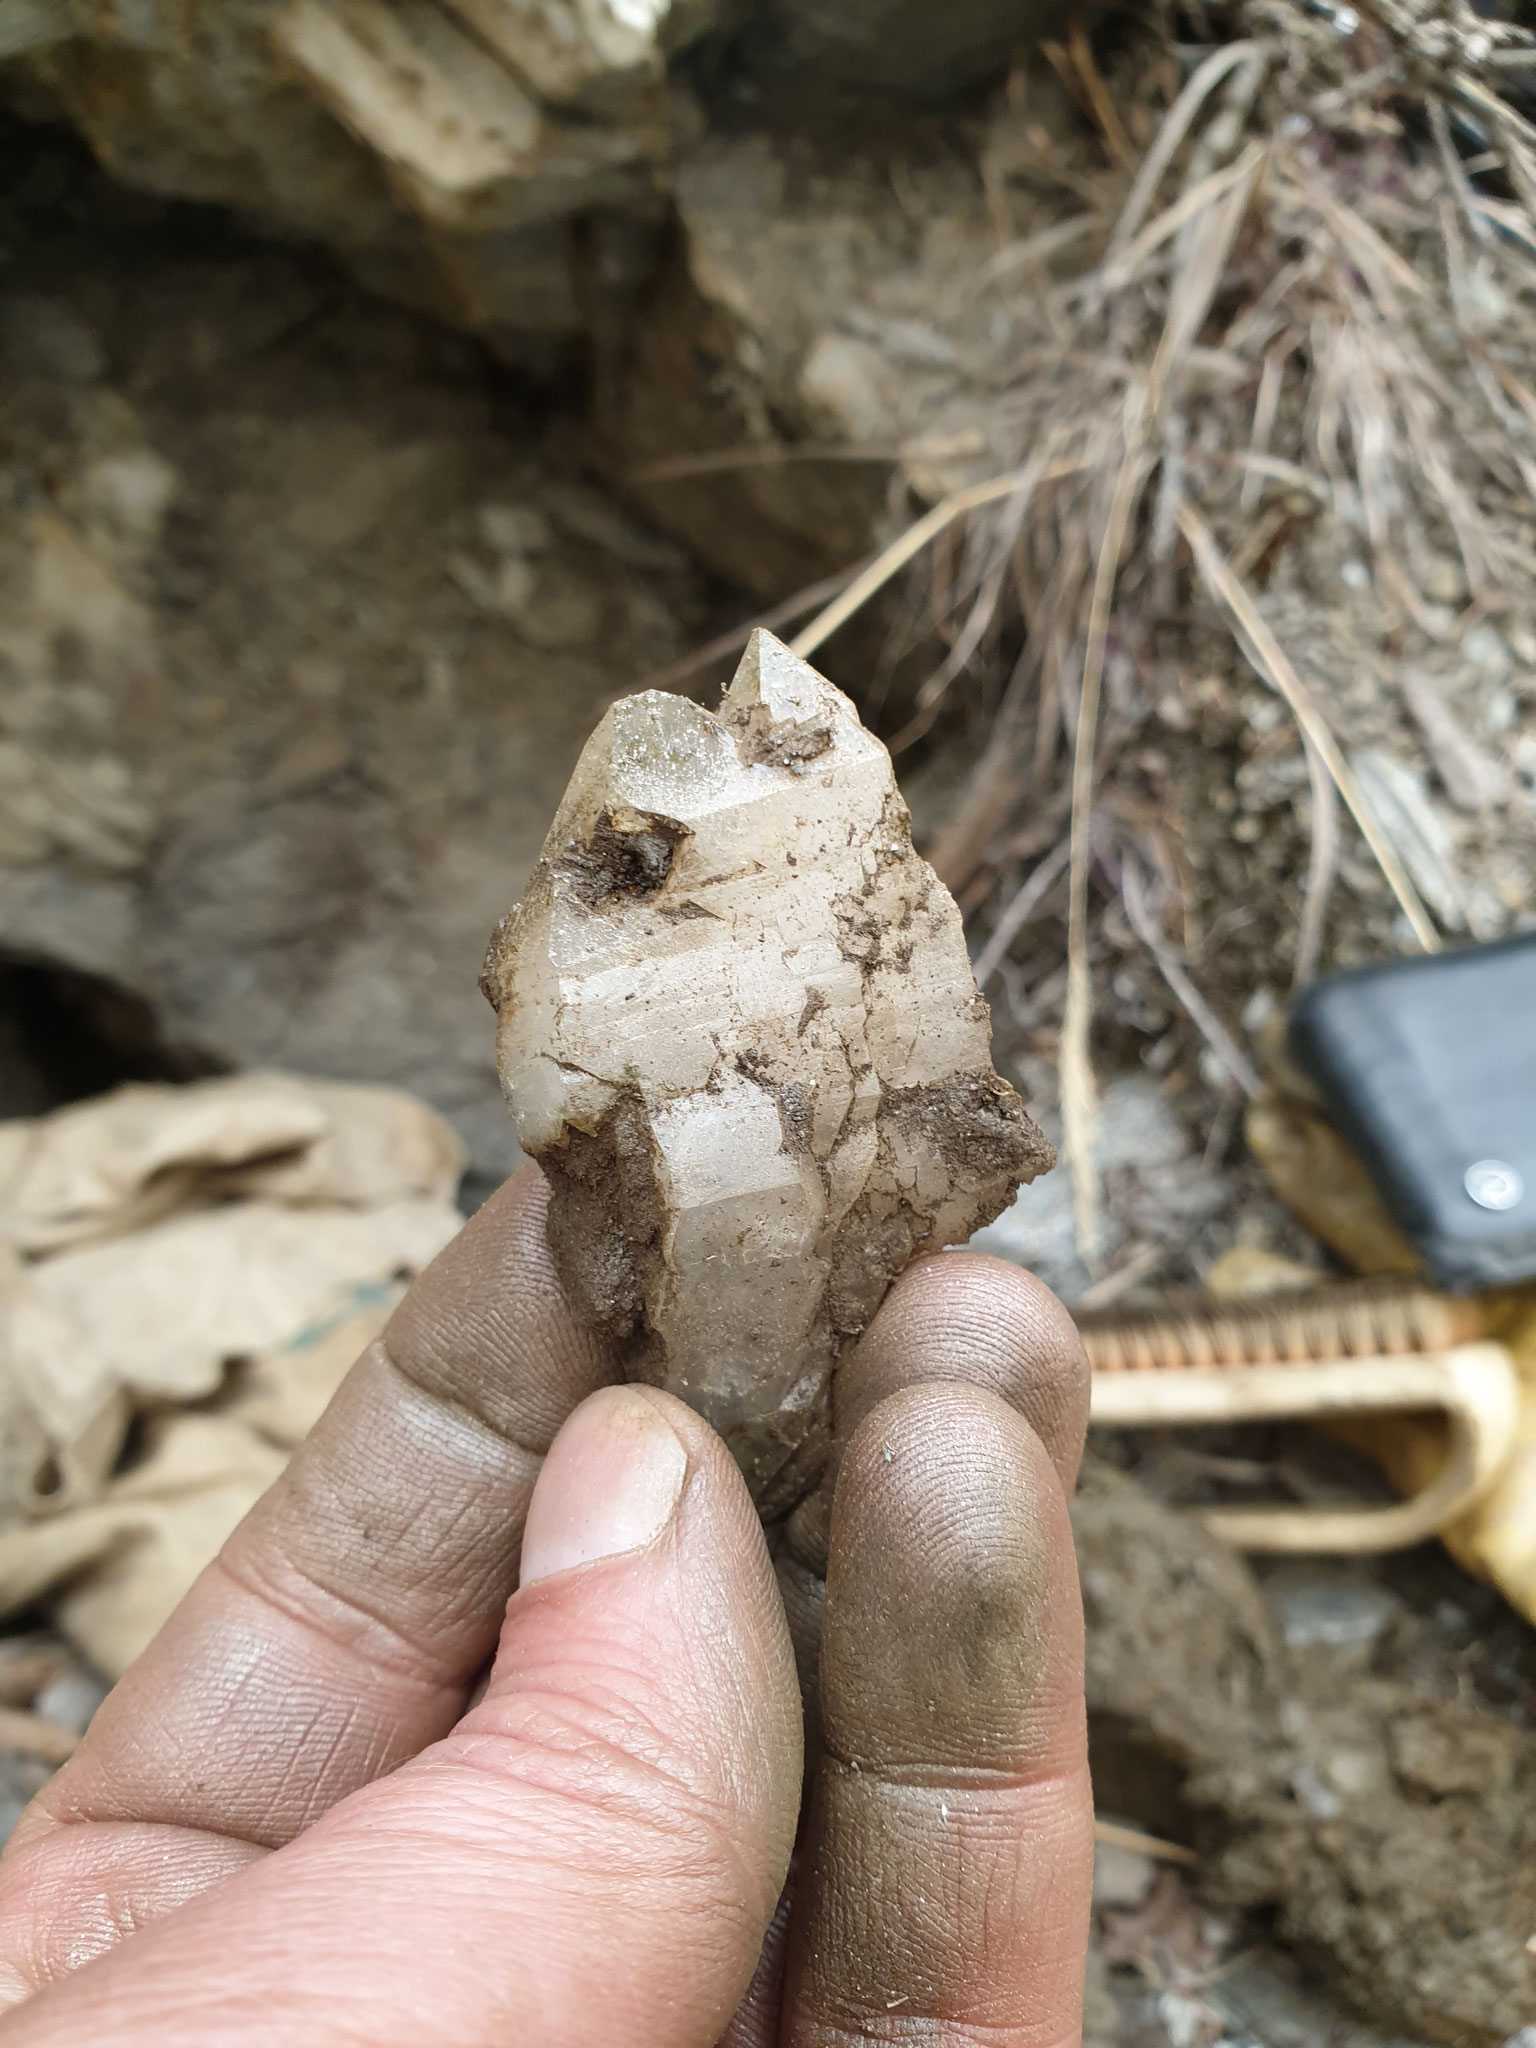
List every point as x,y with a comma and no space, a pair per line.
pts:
952,1619
965,1319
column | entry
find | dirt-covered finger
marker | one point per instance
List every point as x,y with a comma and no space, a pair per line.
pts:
339,1630
962,1319
974,1321
757,2021
947,1860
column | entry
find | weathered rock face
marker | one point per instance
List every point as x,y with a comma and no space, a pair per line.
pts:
811,303
443,150
909,47
501,164
537,171
276,831
738,1029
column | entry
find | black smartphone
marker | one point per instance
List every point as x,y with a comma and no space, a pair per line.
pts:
1428,1067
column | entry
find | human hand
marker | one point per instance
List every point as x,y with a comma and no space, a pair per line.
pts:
286,1823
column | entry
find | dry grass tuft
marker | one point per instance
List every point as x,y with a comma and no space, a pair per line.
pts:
1296,312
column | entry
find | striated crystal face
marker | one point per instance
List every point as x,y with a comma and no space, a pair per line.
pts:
737,1028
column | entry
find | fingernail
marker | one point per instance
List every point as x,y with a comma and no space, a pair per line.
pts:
611,1480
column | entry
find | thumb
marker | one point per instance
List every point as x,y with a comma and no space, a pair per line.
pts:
591,1856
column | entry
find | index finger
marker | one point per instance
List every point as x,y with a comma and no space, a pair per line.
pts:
340,1629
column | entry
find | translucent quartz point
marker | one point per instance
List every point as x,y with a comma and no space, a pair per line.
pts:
737,1028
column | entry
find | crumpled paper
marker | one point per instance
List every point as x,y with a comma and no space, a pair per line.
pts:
185,1275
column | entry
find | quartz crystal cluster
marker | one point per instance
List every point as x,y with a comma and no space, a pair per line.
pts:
738,1030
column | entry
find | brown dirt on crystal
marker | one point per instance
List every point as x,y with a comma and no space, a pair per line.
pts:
605,1217
629,862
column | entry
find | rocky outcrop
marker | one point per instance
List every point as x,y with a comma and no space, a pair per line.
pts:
502,164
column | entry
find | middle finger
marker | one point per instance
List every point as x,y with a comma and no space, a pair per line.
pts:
947,1857
962,1319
